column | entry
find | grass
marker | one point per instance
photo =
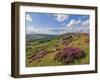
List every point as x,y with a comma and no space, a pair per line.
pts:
48,60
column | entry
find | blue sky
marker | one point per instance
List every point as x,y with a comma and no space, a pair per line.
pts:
54,23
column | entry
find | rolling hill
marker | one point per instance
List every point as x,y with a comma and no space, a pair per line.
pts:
41,49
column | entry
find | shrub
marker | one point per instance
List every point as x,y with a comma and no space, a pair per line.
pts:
69,54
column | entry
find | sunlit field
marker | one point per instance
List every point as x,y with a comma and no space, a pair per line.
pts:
67,49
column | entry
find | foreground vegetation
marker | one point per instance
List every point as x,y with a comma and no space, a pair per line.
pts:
66,49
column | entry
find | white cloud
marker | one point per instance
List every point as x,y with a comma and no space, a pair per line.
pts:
85,23
77,26
72,26
28,18
30,30
73,23
60,17
43,30
35,30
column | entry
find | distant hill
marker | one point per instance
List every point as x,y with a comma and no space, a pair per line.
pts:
30,37
75,34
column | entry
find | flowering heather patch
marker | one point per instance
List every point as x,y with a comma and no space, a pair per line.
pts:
38,56
69,54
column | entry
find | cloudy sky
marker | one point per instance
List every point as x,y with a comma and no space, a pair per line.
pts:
52,23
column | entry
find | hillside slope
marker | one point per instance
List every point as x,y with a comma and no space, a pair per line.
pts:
43,53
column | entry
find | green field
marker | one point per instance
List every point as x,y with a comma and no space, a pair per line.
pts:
44,48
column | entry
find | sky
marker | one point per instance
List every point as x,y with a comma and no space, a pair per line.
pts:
56,23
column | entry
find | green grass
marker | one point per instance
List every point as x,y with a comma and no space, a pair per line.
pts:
48,60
